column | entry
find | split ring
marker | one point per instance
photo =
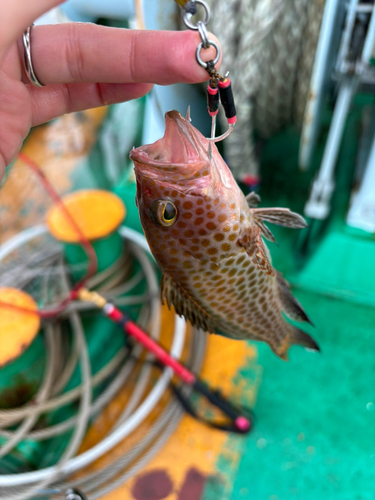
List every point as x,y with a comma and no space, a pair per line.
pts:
26,39
200,47
186,16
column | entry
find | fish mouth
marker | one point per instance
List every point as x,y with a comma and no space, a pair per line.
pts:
182,149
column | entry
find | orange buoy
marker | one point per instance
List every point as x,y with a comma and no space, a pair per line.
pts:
98,213
18,327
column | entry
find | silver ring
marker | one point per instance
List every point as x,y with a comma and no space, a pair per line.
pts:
27,58
186,16
198,55
203,34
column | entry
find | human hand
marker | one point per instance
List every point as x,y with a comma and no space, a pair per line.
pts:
83,66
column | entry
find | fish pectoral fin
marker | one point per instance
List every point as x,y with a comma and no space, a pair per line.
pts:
252,242
253,199
279,216
174,295
266,233
290,305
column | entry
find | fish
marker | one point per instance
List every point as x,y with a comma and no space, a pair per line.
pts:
208,240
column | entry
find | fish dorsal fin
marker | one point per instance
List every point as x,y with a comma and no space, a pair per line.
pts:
253,199
290,305
279,216
174,295
252,242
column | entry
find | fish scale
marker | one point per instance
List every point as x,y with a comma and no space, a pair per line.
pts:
217,271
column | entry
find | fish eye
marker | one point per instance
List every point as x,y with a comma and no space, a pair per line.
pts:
163,212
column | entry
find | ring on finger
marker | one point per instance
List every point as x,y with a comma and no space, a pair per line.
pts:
26,39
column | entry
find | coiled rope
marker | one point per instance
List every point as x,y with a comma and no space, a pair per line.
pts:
113,284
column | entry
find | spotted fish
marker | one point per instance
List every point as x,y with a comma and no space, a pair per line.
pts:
207,239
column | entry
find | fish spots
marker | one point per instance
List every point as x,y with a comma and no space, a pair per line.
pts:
187,215
212,251
174,194
235,227
219,237
205,242
173,251
198,221
222,218
194,248
189,233
181,224
200,201
174,260
182,241
163,247
233,206
187,205
202,232
211,215
232,237
225,247
211,226
174,232
199,211
208,206
187,264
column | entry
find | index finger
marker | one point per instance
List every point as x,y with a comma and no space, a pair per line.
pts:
17,15
78,52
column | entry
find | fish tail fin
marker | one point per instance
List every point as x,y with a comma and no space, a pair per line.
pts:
302,338
296,337
290,305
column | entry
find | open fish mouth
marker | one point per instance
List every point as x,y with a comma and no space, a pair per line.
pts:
181,149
